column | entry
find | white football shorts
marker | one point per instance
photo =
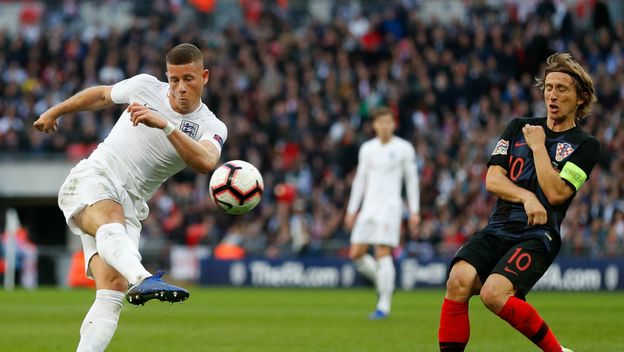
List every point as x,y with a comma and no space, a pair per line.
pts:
370,229
88,183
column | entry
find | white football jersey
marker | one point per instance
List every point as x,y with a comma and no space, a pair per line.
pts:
379,178
141,158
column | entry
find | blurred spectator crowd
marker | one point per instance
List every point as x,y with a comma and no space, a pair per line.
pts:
295,91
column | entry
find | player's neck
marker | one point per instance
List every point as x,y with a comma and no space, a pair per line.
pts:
385,139
560,125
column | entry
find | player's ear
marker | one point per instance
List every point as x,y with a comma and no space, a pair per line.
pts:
205,75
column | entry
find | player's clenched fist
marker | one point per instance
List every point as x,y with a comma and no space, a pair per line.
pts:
46,123
534,135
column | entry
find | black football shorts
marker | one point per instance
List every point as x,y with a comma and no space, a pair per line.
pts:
522,261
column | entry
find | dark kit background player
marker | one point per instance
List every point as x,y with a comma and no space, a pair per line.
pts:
535,170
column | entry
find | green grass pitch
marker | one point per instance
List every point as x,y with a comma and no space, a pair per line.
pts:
236,319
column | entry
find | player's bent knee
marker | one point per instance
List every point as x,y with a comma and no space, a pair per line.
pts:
459,288
354,256
493,298
356,252
495,292
462,282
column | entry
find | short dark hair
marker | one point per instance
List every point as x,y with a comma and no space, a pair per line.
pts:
564,63
183,54
380,111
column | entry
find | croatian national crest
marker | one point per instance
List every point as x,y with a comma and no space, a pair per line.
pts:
190,128
563,151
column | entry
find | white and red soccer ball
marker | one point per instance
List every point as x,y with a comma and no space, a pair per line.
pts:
236,187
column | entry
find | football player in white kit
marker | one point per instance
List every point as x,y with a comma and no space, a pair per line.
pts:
383,163
165,127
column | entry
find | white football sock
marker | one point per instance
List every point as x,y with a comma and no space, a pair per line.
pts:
100,323
385,283
367,266
118,251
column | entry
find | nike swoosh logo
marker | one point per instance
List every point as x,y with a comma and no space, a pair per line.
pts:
510,271
519,144
145,104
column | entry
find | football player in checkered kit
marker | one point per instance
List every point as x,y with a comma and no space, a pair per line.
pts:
537,167
164,128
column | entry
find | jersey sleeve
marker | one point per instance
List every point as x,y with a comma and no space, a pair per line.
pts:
411,180
124,91
216,132
500,154
577,168
359,183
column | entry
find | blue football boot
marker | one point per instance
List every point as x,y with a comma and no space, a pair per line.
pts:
378,315
154,287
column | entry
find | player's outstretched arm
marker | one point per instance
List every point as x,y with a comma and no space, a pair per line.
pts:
93,98
202,156
497,183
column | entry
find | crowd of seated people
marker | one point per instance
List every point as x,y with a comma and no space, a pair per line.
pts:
295,96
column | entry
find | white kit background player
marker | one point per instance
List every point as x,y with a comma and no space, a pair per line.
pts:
165,128
383,163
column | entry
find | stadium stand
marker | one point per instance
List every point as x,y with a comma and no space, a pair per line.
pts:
294,84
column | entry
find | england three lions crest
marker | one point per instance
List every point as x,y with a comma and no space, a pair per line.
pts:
190,128
563,151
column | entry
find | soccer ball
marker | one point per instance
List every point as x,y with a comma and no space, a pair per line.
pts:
236,187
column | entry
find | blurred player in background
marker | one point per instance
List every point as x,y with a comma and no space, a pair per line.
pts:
383,163
165,128
535,170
